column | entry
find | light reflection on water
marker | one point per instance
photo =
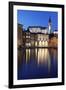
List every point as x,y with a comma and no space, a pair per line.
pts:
37,63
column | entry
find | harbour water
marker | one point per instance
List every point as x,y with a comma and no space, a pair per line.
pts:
36,63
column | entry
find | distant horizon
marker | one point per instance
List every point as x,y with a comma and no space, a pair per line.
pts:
37,18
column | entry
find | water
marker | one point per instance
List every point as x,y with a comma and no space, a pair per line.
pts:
37,63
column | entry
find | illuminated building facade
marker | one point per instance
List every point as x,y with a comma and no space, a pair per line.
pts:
37,36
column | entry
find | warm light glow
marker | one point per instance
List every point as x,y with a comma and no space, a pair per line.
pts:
43,43
27,55
36,52
43,56
36,43
40,44
46,52
46,43
28,44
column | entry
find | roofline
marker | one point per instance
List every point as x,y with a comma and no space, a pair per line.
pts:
36,27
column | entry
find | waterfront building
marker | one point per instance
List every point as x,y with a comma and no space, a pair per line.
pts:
37,36
19,35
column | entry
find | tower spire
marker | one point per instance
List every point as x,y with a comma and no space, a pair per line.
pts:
49,25
49,20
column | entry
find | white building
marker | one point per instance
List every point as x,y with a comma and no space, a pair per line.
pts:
38,29
44,30
55,32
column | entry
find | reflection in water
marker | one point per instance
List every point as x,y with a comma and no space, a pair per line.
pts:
43,55
27,55
37,63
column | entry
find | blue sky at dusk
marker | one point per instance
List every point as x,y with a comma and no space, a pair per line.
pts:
37,18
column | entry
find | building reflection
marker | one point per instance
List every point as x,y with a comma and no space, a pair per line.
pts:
42,55
39,56
38,61
27,55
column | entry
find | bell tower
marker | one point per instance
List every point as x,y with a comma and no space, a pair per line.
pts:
49,25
